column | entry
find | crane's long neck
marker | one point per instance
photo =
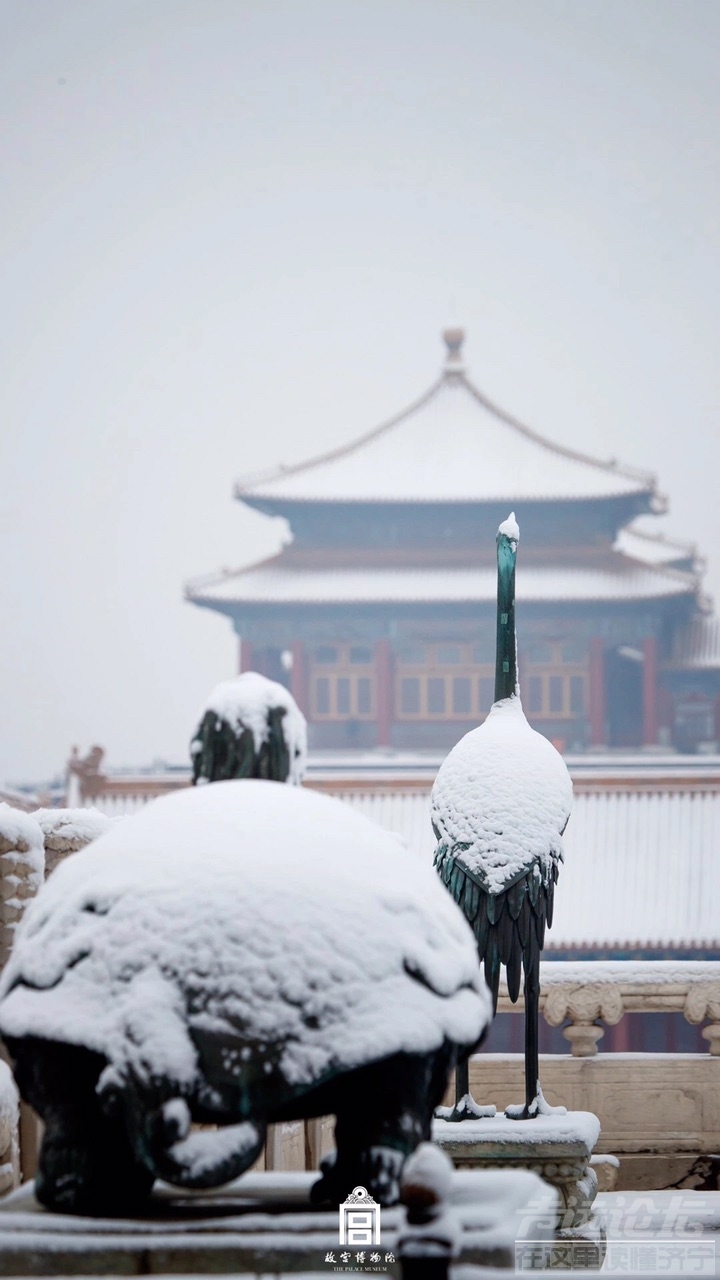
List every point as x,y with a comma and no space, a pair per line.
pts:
506,643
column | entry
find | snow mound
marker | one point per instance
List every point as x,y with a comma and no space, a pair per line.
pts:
246,701
505,793
248,910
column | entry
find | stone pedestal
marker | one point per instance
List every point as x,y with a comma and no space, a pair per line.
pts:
659,1112
262,1224
556,1147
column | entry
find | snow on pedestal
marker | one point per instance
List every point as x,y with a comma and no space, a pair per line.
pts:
558,1147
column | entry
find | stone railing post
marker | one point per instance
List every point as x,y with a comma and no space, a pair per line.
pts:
22,865
703,1001
583,1005
66,831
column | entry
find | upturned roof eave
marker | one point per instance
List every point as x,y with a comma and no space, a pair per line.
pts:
200,592
670,552
251,490
233,607
275,504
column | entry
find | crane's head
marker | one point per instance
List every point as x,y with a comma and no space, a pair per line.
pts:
509,532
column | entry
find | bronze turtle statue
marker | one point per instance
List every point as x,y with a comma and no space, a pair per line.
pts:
231,956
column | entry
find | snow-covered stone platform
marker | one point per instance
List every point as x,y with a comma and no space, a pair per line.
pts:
258,1225
557,1147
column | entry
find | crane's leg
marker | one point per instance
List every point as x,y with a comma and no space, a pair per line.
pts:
532,1011
533,1095
466,1108
462,1081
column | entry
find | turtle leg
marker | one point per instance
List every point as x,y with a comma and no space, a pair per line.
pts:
86,1163
195,1158
382,1112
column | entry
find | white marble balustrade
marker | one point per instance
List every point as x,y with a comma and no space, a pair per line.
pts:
592,992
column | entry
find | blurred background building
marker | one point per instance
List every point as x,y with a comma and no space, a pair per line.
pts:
379,614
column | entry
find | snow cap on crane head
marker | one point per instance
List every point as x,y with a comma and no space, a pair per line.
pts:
510,528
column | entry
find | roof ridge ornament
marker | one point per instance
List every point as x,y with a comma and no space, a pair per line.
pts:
356,482
453,339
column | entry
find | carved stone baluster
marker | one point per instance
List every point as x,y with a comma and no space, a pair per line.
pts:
21,870
703,1001
583,1005
22,861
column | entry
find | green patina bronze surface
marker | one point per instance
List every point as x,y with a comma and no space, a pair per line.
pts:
505,645
509,927
220,751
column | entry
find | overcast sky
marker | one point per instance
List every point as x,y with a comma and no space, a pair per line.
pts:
231,232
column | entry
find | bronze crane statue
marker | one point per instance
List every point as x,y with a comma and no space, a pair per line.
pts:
500,804
251,727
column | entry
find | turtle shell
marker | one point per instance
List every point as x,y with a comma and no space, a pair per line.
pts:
277,923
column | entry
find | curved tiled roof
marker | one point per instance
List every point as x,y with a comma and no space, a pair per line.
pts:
280,581
696,647
656,548
451,445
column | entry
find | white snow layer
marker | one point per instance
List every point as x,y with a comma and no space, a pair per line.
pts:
562,1131
282,581
510,528
251,909
505,793
484,459
72,825
428,1167
246,701
21,835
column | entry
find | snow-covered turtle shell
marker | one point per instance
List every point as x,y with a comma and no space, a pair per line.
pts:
278,918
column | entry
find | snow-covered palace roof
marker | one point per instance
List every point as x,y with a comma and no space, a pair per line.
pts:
640,543
451,445
696,647
283,581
